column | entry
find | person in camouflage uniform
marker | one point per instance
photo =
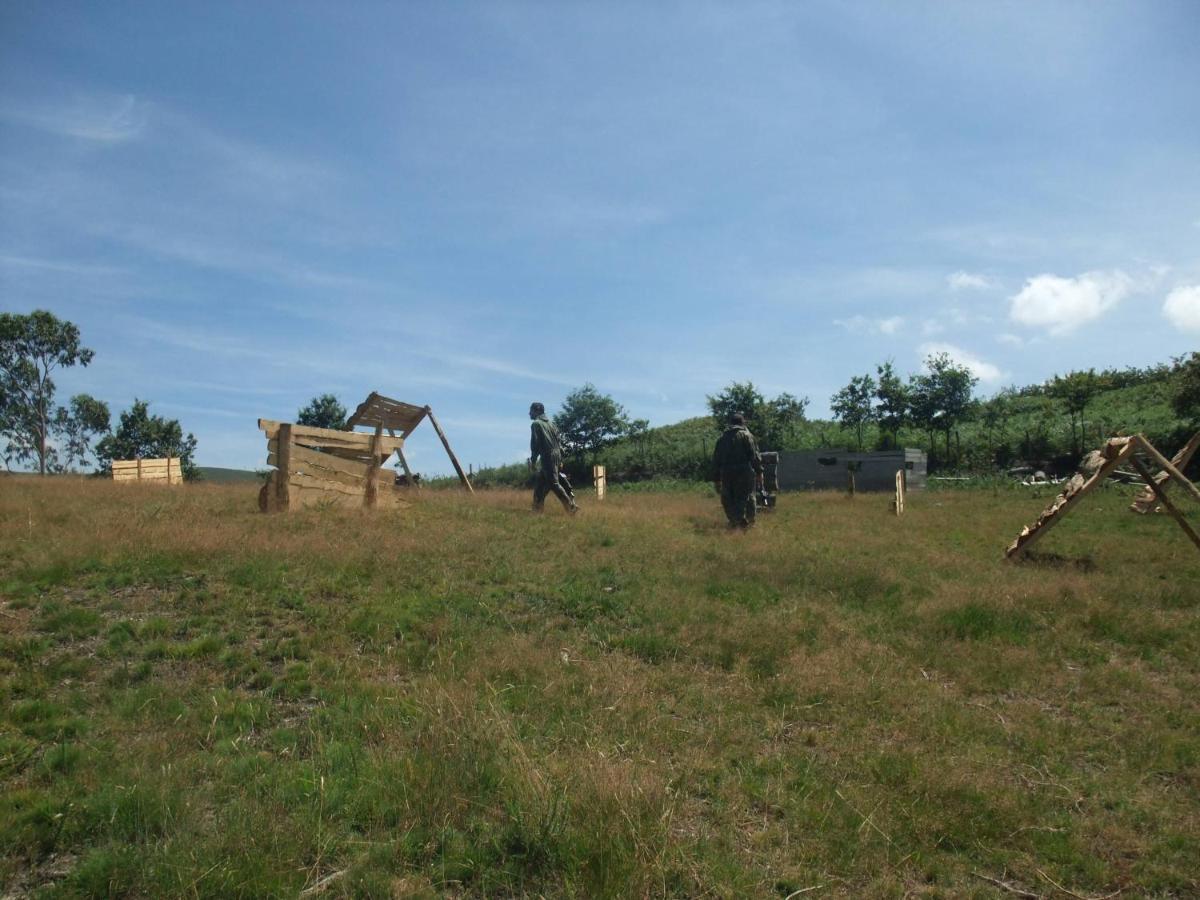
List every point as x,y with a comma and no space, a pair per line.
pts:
736,469
545,458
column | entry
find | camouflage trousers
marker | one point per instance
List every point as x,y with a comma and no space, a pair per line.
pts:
737,495
548,483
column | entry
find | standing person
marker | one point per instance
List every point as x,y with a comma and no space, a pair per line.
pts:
545,458
736,469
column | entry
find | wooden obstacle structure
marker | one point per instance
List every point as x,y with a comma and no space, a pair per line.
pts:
1147,500
1098,466
345,468
600,480
151,471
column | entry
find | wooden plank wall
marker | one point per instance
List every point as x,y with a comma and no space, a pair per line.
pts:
164,471
327,467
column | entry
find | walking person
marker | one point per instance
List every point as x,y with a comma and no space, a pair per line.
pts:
545,458
737,468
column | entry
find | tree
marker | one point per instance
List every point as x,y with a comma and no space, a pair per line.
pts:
892,407
771,421
323,412
1185,393
77,426
589,421
1075,390
143,436
32,347
941,396
852,405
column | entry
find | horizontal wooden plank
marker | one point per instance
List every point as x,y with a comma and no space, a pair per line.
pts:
328,437
354,467
133,463
303,479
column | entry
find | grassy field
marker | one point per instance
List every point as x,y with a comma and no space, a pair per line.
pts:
462,699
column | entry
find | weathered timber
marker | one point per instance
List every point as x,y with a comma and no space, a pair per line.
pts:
284,433
331,438
1144,502
304,457
1160,492
1114,452
373,469
1167,466
445,443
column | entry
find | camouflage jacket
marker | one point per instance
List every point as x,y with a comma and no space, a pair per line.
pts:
543,440
735,449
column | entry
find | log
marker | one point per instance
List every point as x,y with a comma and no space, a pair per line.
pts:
445,443
302,457
1144,501
1110,456
1167,466
372,495
1160,492
282,483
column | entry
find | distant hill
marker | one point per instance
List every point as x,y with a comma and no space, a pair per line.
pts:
217,475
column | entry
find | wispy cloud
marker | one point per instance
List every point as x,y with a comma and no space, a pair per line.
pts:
1062,305
97,118
968,281
859,324
980,368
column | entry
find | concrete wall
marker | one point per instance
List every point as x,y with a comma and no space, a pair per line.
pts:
826,469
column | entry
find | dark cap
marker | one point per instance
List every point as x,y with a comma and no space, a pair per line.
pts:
737,419
537,408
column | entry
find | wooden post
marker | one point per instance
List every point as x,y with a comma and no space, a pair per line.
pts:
1144,501
850,482
1160,492
139,477
600,479
372,497
445,443
1166,466
900,492
283,472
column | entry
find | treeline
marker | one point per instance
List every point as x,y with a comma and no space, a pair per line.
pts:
1048,425
54,439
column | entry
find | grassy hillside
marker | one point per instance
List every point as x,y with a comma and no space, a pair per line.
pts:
215,475
462,699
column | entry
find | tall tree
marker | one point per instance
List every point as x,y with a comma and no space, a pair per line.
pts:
143,436
589,421
772,421
1075,390
892,403
77,426
941,396
323,412
852,407
32,348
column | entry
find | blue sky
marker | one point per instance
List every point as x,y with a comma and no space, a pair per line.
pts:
479,205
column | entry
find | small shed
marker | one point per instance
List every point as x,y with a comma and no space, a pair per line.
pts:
826,469
325,465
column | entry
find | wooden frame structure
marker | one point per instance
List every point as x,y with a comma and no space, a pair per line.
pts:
1097,468
165,470
1146,500
343,467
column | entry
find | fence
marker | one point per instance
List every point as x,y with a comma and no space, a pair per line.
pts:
164,471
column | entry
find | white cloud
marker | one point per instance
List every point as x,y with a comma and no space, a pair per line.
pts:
931,327
1011,339
966,281
1182,308
862,325
1064,304
981,369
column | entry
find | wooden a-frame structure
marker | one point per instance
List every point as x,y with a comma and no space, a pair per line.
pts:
1099,465
344,467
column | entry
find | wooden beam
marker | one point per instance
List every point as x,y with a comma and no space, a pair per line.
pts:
355,441
1144,502
404,463
283,477
1115,452
445,443
1164,500
1166,465
373,472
